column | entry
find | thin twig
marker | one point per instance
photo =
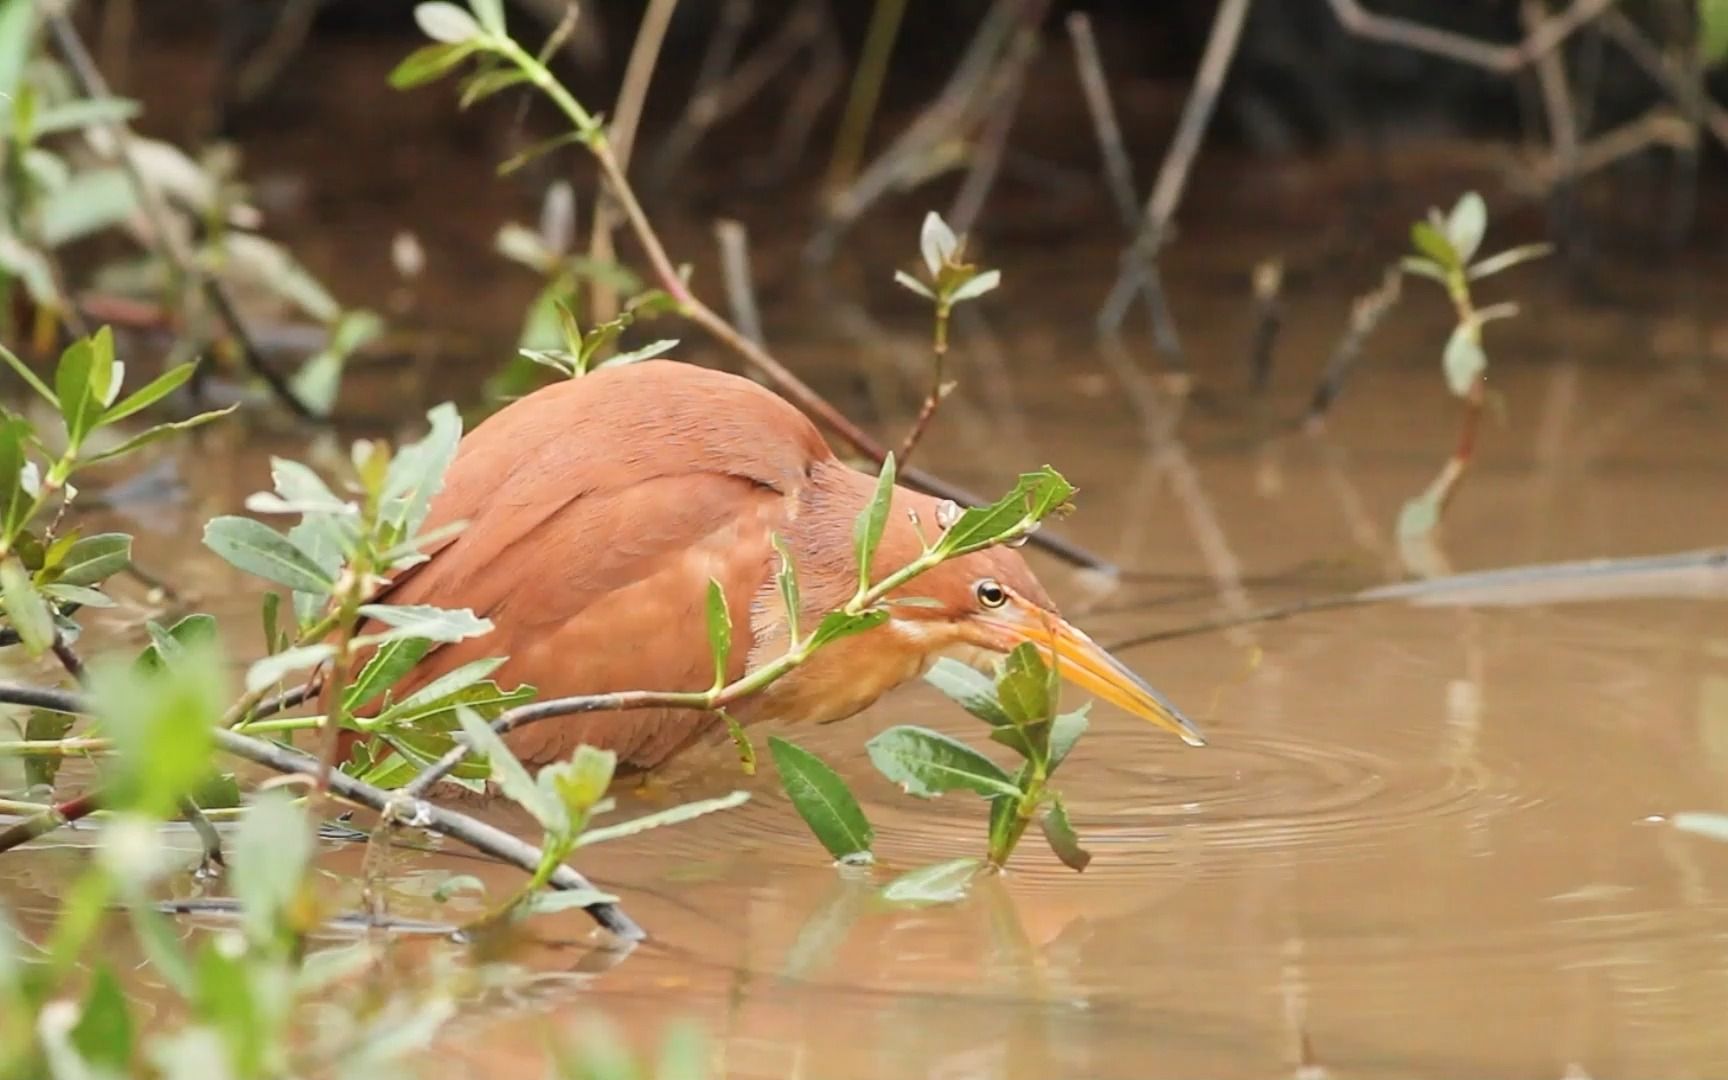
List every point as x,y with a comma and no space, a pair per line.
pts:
80,806
1625,33
1366,312
1119,177
867,80
91,84
1503,59
476,834
993,140
735,275
621,135
1173,176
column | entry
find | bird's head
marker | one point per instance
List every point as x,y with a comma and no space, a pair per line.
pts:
989,602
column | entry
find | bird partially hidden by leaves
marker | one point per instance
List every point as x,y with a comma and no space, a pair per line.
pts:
599,508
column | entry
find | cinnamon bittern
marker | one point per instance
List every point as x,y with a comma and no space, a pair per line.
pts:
599,508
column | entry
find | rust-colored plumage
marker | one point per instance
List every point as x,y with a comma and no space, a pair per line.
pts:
597,510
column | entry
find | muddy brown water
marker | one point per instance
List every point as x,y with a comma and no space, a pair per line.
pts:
1426,841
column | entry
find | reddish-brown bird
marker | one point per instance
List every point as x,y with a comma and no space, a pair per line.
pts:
598,509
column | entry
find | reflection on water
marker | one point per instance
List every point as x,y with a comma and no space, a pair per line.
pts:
1424,841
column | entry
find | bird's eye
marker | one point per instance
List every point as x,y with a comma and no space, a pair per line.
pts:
991,594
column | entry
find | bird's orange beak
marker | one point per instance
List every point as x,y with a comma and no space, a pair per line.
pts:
1084,663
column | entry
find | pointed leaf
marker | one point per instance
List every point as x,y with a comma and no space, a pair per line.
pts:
442,21
910,282
787,579
873,521
490,13
1423,267
150,393
429,63
646,352
443,625
158,433
507,772
675,816
169,646
160,722
579,783
1063,840
81,382
971,689
384,669
1432,243
25,609
417,473
260,550
1505,260
941,883
837,624
94,559
270,670
928,763
1065,731
936,242
1027,686
1466,225
15,498
977,286
552,901
1464,359
719,631
1035,497
823,800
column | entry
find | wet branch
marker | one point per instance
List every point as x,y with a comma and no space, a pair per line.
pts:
1173,176
407,810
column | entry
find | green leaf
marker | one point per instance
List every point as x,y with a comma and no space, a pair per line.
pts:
160,945
1065,731
490,13
169,646
104,1034
270,615
1494,264
446,22
451,688
94,559
158,433
837,624
1466,225
91,201
443,625
660,819
81,382
457,883
60,594
384,669
912,283
512,779
646,352
1464,359
16,501
1027,687
941,883
1434,244
1701,823
272,849
740,740
160,723
486,83
872,521
1060,833
977,286
150,393
11,358
787,579
39,772
552,901
260,550
1035,496
429,63
969,688
936,242
823,800
1423,267
269,670
228,1001
719,631
25,609
928,763
417,473
579,783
